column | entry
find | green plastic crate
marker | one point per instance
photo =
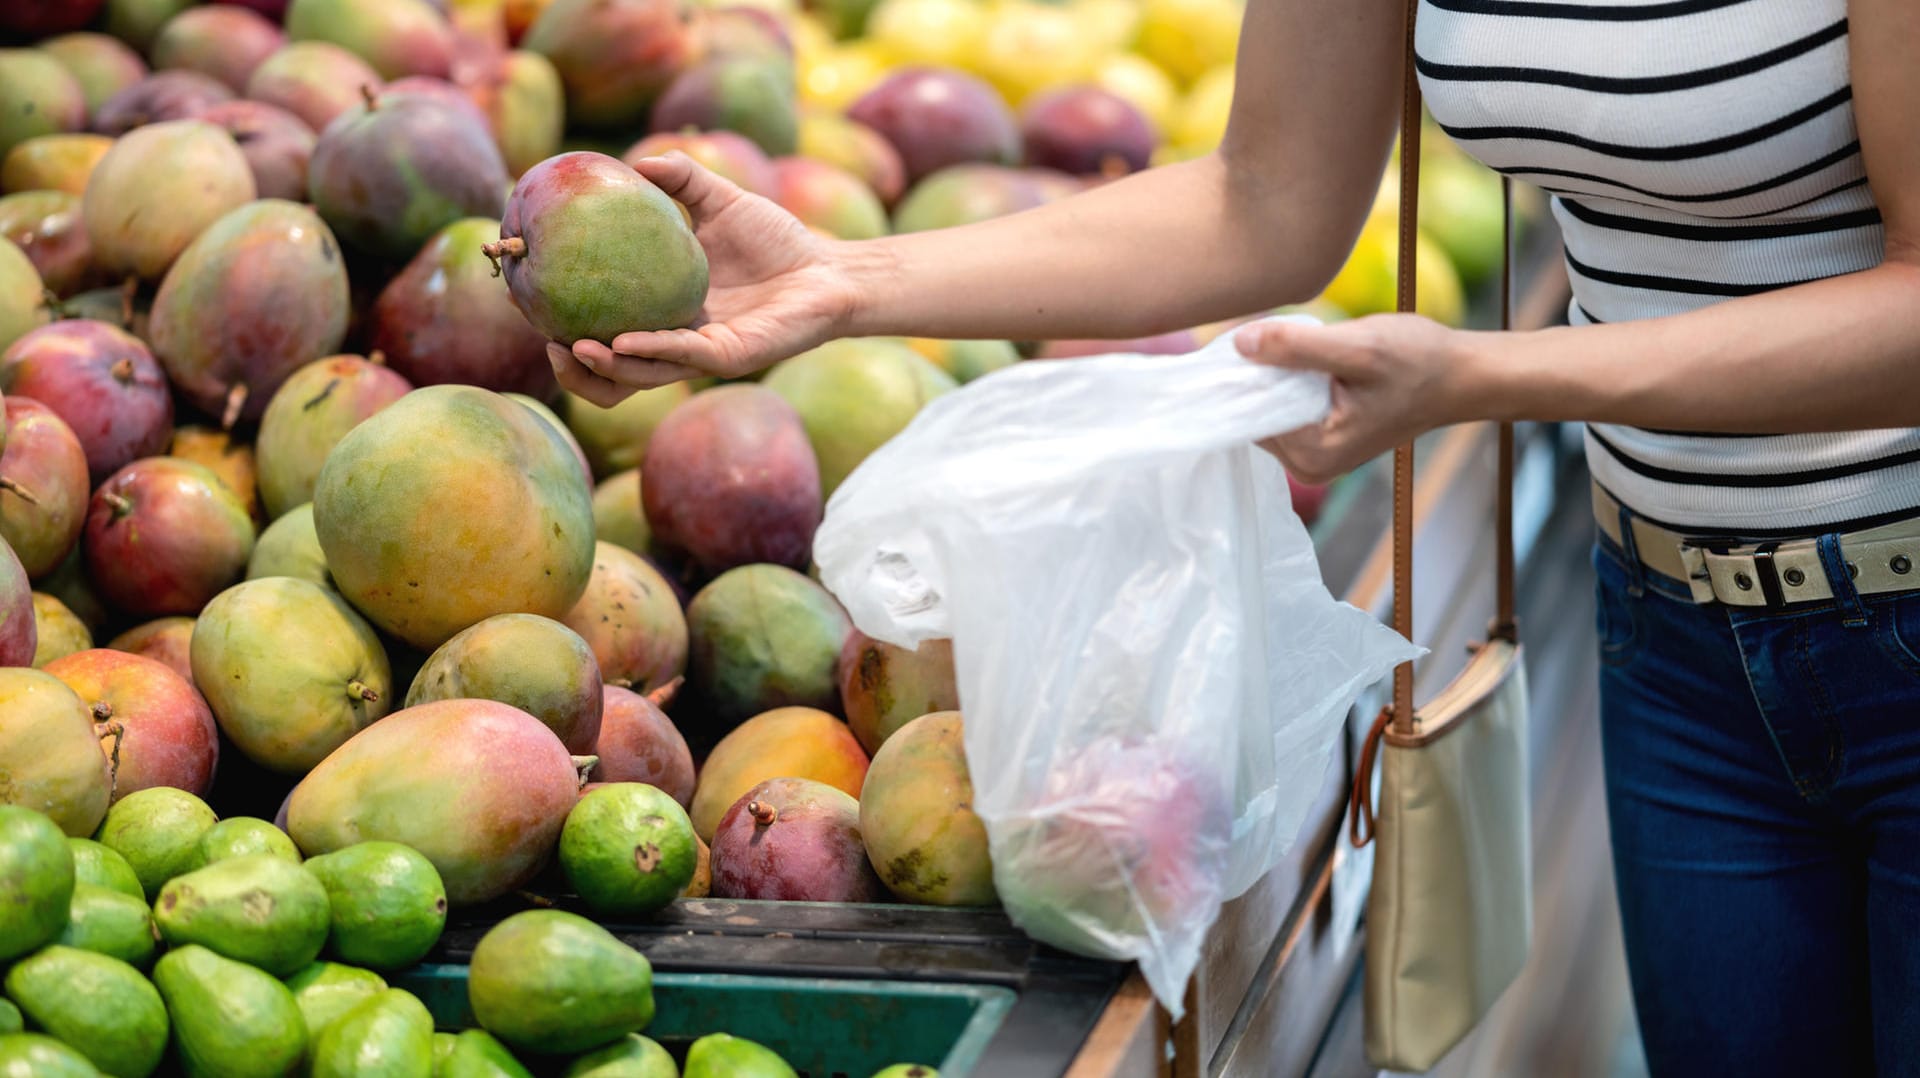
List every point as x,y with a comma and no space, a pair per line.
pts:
823,1028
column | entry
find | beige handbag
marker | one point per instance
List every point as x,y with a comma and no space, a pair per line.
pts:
1451,909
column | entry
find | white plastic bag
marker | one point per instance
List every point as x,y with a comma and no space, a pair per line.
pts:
1152,673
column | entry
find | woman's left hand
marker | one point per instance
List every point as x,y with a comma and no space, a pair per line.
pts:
1395,376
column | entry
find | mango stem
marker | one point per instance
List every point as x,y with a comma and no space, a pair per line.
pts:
371,95
585,764
360,690
122,370
116,502
119,734
14,488
505,247
664,695
236,401
762,813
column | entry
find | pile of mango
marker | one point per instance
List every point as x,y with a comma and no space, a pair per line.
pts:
214,947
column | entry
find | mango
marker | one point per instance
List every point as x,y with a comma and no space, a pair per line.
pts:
100,1005
43,484
917,818
164,536
10,1021
388,904
245,836
590,249
754,96
966,360
789,742
630,620
728,154
796,840
763,637
291,547
60,162
479,788
829,198
618,518
40,97
102,65
314,80
632,1056
36,881
554,982
533,663
165,640
70,585
277,144
161,97
638,743
35,1055
721,1055
259,294
853,395
397,37
836,140
156,190
965,194
1086,131
475,1053
158,832
60,631
225,456
444,319
937,118
614,56
53,763
257,908
109,923
443,91
324,991
390,172
628,848
451,505
308,415
443,1045
138,22
97,865
102,382
19,633
883,687
290,671
702,883
615,439
527,105
730,478
552,419
22,295
908,1070
229,1019
220,41
166,734
46,227
388,1034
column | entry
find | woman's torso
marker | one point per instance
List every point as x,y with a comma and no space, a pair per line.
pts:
1697,150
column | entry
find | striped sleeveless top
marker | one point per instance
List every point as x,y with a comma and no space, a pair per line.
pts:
1694,150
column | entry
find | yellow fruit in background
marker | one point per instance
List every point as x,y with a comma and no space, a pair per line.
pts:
1169,153
1460,209
1112,23
811,38
1202,120
838,78
1188,38
1368,283
1029,47
1136,79
940,32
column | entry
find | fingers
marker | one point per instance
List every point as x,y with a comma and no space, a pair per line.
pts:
702,191
637,372
1326,349
578,380
682,347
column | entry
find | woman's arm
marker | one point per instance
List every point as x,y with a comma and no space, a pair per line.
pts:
1837,354
1265,220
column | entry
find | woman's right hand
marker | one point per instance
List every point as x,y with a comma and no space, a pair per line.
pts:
774,290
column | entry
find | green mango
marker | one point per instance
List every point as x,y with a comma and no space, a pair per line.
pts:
256,909
476,1054
110,923
554,982
719,1055
388,1034
632,1056
908,1070
36,880
33,1055
230,1020
290,547
443,1045
388,904
102,866
99,1005
326,990
10,1020
157,831
242,835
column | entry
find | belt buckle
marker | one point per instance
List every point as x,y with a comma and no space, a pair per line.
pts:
1769,574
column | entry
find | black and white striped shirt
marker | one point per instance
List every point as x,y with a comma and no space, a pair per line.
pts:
1696,150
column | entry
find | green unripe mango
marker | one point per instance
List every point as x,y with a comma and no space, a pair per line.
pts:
157,831
325,991
35,1055
102,866
389,1034
387,903
110,923
230,1020
477,1054
100,1006
720,1055
632,1056
36,880
554,982
256,909
242,835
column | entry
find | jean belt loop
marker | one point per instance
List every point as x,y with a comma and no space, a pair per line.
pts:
1853,612
1636,571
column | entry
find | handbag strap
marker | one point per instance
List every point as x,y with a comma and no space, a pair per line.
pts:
1399,714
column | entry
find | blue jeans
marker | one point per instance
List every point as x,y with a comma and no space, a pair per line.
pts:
1763,791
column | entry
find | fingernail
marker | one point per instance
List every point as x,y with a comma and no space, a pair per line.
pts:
586,360
1247,340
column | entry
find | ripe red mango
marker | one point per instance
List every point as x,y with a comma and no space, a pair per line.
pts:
102,382
166,734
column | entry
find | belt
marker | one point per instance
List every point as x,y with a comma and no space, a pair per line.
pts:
1774,574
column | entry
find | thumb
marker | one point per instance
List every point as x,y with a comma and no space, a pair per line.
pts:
701,190
1298,347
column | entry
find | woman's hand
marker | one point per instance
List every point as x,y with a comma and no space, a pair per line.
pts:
773,291
1394,377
